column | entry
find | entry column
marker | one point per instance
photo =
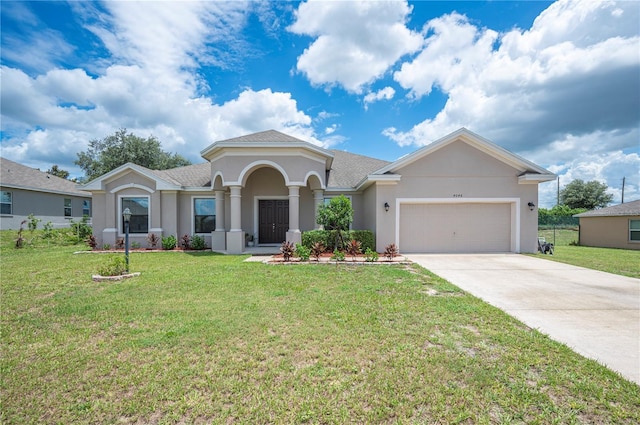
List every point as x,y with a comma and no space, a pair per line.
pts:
235,236
218,236
294,235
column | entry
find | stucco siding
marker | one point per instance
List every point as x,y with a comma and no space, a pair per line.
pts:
459,171
296,168
48,207
607,232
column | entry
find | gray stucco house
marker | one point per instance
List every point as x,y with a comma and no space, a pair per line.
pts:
461,193
26,190
617,226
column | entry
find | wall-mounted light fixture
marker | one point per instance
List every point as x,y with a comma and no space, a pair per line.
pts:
386,206
531,206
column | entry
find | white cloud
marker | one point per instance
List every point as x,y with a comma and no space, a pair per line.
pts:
386,93
150,86
567,88
355,42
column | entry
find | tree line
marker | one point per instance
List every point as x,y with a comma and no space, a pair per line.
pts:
109,153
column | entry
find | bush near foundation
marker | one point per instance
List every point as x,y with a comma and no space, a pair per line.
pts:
327,238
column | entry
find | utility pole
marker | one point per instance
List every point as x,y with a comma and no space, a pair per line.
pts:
623,180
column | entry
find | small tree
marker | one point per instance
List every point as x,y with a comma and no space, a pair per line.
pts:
337,215
589,195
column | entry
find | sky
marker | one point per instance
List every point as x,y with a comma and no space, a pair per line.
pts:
555,82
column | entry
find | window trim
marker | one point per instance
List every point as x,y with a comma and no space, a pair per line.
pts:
120,220
88,203
10,203
70,208
631,231
193,213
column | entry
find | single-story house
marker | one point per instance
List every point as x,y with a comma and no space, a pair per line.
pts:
612,227
25,190
461,193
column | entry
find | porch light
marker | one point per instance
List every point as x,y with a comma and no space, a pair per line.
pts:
126,214
531,206
386,206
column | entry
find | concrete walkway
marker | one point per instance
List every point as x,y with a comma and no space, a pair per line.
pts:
597,314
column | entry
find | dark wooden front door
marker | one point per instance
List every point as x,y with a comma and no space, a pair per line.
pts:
274,220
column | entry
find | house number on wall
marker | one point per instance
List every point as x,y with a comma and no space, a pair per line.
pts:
457,195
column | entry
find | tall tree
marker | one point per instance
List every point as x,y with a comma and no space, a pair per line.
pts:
337,215
58,172
113,151
589,195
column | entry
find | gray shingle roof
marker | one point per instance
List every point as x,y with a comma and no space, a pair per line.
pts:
626,209
349,169
197,175
269,136
20,176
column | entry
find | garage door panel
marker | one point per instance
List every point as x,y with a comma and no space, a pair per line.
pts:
459,227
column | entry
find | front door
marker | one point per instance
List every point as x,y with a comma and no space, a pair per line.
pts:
274,220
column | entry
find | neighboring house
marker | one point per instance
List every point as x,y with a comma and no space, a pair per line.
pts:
461,193
612,227
25,191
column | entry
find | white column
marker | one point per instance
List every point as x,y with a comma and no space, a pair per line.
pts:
294,209
318,199
220,211
236,209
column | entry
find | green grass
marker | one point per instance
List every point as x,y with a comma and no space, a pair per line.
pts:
204,338
619,261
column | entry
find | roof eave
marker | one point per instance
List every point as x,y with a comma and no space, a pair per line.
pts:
535,178
98,183
383,179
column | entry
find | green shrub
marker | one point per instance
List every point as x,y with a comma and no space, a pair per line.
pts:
33,222
370,255
135,245
114,267
198,242
106,247
169,242
365,237
47,230
328,238
311,237
303,252
338,255
81,229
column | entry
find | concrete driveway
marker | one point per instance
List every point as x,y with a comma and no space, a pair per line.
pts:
597,314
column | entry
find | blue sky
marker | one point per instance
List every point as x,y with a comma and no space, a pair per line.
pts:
556,82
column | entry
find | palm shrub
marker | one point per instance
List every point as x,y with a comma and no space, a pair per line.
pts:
153,240
317,249
354,248
391,251
287,249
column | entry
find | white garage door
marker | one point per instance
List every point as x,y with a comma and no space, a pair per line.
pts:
458,227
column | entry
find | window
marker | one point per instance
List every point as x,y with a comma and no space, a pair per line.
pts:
139,207
6,204
634,230
204,215
67,207
86,208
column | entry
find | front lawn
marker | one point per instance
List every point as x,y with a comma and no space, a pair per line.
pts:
624,262
204,338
